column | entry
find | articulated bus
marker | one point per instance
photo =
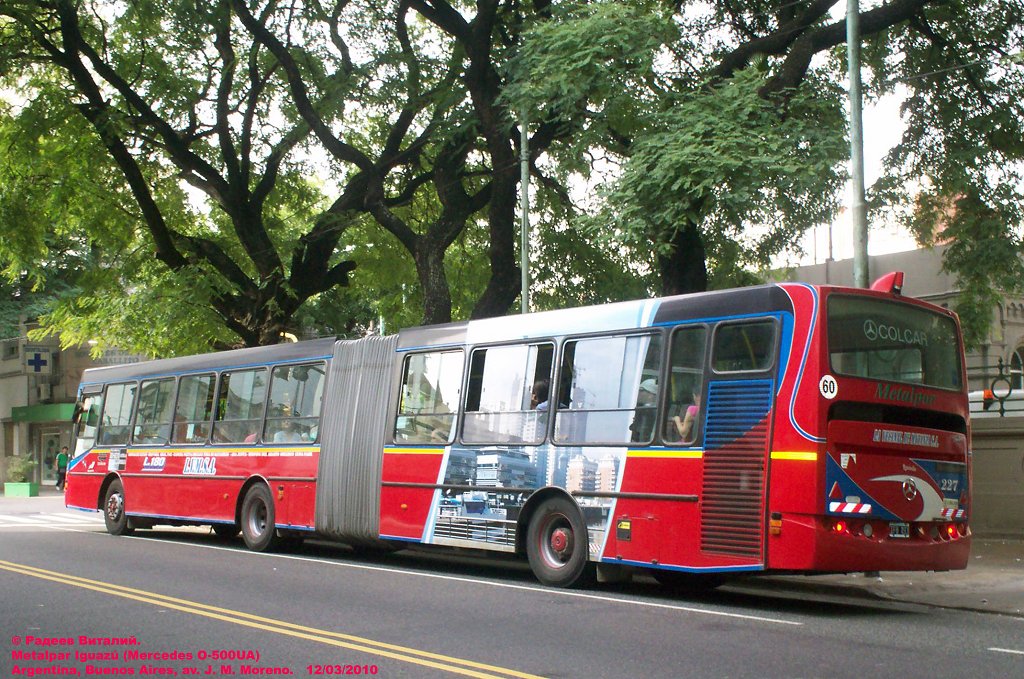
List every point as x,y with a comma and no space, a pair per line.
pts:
783,428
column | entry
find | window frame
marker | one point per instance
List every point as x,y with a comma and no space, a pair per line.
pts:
730,323
215,383
267,419
393,429
464,412
135,433
217,406
658,332
704,372
101,430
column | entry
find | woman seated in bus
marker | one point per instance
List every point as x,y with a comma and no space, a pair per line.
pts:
288,434
682,429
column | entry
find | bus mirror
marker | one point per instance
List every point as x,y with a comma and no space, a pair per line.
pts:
890,282
79,409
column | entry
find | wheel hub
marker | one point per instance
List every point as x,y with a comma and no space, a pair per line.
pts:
114,506
561,542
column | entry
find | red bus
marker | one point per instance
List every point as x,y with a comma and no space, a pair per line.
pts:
781,428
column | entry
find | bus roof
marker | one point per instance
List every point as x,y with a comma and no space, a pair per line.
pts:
602,318
235,358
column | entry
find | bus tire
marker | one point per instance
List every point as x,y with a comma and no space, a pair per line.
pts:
258,519
113,510
557,545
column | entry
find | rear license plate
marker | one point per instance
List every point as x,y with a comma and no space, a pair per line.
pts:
899,530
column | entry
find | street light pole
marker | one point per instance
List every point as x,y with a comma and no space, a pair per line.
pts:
524,220
858,210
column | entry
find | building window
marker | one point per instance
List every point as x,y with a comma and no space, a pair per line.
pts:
1017,369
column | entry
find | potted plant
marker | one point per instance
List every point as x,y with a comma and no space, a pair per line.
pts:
19,478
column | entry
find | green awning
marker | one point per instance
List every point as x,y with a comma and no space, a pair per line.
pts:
44,412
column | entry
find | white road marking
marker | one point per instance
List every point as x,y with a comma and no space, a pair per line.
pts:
1007,650
49,520
488,583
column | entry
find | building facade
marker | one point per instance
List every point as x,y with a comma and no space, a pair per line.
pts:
38,388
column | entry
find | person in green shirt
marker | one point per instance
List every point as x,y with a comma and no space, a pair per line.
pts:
61,464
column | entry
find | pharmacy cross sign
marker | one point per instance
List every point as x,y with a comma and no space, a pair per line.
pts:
38,362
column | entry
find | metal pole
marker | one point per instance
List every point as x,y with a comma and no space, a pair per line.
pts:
524,220
857,208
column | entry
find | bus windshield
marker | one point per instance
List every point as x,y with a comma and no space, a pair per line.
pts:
893,341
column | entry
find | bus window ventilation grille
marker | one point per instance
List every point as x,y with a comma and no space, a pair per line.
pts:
735,440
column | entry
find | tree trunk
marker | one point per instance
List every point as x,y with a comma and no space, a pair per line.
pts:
684,268
437,297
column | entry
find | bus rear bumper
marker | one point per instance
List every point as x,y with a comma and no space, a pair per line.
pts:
832,544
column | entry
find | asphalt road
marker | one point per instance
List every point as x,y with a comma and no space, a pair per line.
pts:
206,606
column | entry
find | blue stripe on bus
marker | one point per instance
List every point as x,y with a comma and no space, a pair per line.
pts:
686,569
803,366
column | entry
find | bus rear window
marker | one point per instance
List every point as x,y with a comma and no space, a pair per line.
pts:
893,341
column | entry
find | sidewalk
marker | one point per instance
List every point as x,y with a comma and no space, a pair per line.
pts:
993,581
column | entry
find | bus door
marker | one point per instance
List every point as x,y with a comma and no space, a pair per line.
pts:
737,434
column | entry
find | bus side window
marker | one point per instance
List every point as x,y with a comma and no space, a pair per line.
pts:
293,412
431,389
154,415
115,422
87,422
240,401
608,390
741,347
507,399
685,385
194,410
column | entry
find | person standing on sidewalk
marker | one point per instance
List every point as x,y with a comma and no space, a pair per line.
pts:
61,464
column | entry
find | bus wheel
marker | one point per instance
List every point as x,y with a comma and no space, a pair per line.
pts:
225,531
688,583
258,519
557,545
113,510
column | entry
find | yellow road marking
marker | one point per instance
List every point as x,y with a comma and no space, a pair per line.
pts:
437,661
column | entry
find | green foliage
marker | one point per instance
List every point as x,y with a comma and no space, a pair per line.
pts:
725,158
19,469
957,176
264,147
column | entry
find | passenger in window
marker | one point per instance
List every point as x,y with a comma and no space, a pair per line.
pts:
684,426
642,426
539,397
288,434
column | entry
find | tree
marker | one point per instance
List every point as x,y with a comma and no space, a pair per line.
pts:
242,102
727,119
173,93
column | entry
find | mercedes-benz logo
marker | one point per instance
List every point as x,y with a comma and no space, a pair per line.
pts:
870,330
909,489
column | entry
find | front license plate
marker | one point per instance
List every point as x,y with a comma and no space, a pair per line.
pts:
899,530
